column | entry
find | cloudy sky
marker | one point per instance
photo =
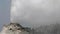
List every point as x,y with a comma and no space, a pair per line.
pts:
35,12
4,12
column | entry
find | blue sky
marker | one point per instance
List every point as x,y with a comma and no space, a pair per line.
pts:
4,12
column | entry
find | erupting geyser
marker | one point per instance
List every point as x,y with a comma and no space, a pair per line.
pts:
33,13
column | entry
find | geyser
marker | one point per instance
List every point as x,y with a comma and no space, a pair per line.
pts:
34,13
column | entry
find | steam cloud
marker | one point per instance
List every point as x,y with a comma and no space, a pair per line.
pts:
35,12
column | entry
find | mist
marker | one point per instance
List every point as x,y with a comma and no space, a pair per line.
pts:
33,13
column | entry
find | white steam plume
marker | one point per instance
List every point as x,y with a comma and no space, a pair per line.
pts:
35,12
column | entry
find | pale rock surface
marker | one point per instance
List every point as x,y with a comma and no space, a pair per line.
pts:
13,28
